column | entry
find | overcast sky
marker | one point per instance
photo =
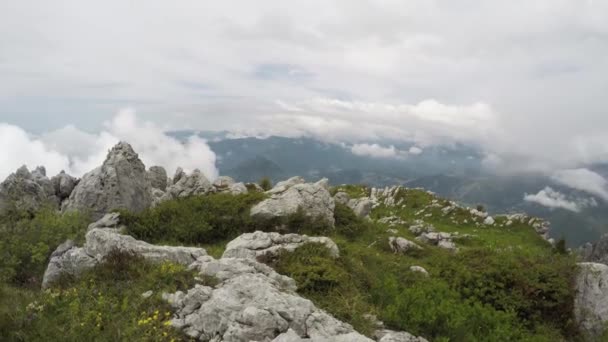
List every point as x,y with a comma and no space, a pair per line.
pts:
525,79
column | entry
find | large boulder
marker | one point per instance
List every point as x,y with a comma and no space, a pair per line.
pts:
591,301
229,185
157,176
254,245
290,196
27,190
362,207
100,242
120,183
401,246
64,184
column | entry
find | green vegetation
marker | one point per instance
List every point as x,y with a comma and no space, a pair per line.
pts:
28,239
504,284
265,183
105,304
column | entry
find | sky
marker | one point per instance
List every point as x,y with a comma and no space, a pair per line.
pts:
525,80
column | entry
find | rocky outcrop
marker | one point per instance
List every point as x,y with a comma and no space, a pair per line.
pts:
157,176
64,184
100,242
188,185
229,185
289,196
257,244
252,303
401,245
120,183
597,252
362,207
591,301
28,190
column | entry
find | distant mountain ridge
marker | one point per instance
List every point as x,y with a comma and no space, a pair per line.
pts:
452,171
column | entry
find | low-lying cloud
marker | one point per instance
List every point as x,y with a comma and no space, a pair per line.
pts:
583,180
78,152
375,151
553,199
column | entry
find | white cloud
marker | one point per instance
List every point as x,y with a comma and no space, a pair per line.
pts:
77,152
375,151
415,150
553,199
584,180
528,87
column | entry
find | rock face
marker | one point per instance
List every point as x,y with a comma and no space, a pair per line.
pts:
72,260
157,176
253,245
289,196
252,303
591,301
28,190
397,336
120,183
64,184
188,185
597,252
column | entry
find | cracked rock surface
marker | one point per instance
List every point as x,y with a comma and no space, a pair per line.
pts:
289,196
253,245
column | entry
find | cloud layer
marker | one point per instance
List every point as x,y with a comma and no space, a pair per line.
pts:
77,152
528,87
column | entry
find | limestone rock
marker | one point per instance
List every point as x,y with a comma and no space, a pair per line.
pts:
64,184
157,176
489,221
27,190
362,207
252,303
292,195
71,260
591,301
397,336
342,198
253,245
111,220
597,252
189,185
223,183
120,183
419,270
401,245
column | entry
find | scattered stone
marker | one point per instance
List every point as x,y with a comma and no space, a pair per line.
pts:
419,269
254,245
147,294
489,221
342,198
401,245
362,207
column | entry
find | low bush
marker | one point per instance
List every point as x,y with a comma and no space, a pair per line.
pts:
194,220
104,304
28,239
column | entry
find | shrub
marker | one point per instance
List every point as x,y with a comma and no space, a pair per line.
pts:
28,239
347,223
265,183
104,304
194,220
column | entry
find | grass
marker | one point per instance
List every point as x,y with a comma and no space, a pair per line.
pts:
504,284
